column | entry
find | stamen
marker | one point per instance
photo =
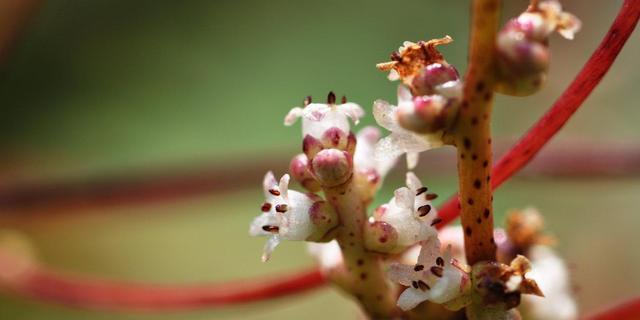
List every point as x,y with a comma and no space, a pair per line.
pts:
421,191
343,100
423,286
307,101
440,261
272,229
274,192
331,98
437,271
418,267
424,210
266,207
282,208
414,284
435,221
431,196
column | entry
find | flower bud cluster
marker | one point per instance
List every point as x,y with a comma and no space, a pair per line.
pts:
523,46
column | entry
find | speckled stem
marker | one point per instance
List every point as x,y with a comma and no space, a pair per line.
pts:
367,281
473,135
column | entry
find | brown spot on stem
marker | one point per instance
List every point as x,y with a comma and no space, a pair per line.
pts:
480,86
477,184
487,212
360,262
467,143
470,201
468,231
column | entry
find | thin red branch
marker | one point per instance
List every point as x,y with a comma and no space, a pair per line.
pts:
562,110
47,285
628,310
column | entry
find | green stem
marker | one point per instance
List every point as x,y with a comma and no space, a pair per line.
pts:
366,278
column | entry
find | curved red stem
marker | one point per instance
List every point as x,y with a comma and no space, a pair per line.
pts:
42,284
628,310
562,110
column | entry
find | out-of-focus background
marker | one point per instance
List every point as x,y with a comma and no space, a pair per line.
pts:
100,90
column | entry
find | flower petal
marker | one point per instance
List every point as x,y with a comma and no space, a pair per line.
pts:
316,111
284,187
412,297
387,151
404,198
384,114
292,116
352,110
269,182
413,182
271,244
402,274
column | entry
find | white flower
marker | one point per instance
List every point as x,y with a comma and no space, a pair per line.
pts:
317,118
401,140
285,214
364,157
328,255
552,277
409,212
548,18
433,278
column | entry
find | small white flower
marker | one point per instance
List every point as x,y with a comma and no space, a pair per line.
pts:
549,18
552,277
401,140
328,255
433,278
410,213
317,118
285,214
364,157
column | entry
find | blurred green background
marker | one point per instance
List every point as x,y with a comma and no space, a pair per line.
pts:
95,88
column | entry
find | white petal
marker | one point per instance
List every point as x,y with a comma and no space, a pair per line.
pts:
411,297
413,182
385,115
404,95
352,110
393,75
328,254
430,251
316,111
402,274
271,244
387,151
264,219
412,160
296,224
269,182
284,186
404,198
292,116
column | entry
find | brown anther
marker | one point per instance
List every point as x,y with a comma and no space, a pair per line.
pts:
440,262
331,98
421,191
272,229
343,100
274,192
395,56
282,208
436,221
418,267
437,271
424,210
431,196
266,207
414,284
423,286
307,101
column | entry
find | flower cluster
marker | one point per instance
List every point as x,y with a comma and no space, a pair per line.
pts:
523,46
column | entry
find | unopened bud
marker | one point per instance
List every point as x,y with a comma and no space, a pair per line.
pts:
432,76
428,114
299,170
311,146
332,167
381,237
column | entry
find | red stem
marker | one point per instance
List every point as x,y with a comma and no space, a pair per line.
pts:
48,285
628,310
562,110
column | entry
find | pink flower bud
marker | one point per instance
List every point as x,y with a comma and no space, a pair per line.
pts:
298,168
431,76
332,167
381,236
311,146
428,114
